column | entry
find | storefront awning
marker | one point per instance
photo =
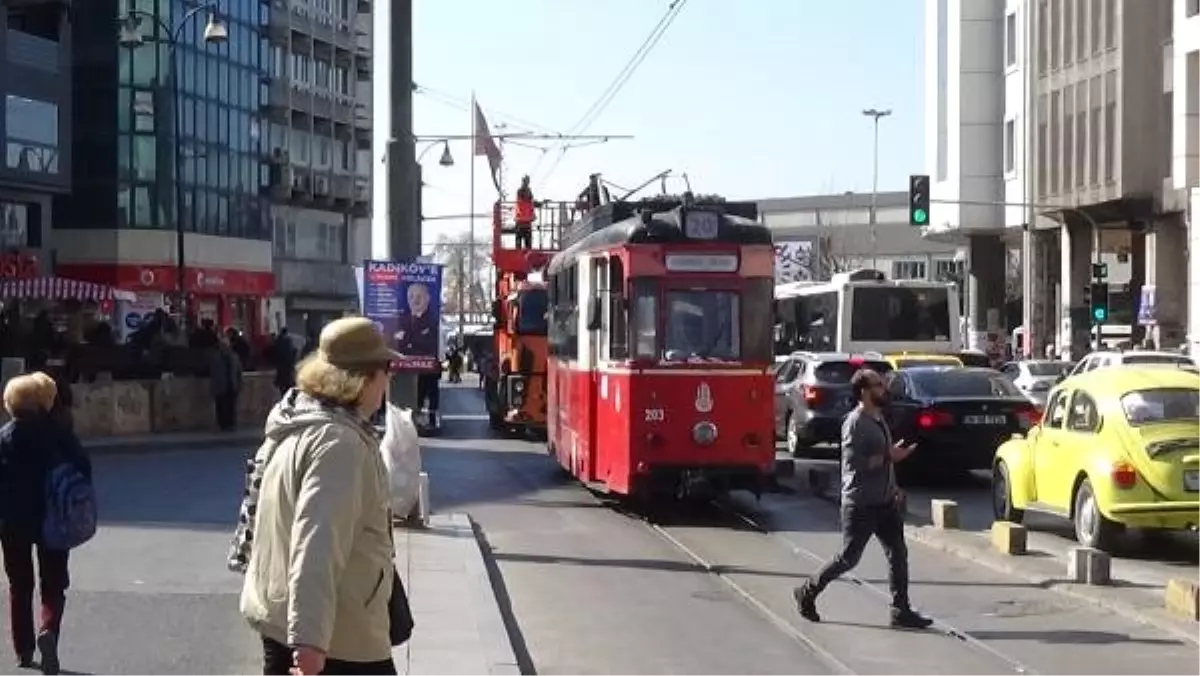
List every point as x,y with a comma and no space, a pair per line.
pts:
57,288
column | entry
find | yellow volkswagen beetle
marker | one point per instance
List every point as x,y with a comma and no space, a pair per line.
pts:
1115,448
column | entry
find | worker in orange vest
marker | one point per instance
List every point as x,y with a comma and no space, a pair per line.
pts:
524,215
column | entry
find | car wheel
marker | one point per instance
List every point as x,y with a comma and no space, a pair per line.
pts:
1092,529
794,445
1002,505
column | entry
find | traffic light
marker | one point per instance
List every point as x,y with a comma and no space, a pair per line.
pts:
1100,271
918,200
1099,302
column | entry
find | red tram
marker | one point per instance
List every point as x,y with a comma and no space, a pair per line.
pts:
660,345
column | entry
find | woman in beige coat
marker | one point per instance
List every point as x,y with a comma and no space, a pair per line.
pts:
319,571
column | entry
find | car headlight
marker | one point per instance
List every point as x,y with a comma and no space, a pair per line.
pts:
704,433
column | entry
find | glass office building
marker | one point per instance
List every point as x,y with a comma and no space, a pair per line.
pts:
125,117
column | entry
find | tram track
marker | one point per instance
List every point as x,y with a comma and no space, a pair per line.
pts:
678,537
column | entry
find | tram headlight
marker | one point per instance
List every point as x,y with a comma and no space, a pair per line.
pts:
704,433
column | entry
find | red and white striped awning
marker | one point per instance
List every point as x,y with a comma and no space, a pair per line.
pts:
57,288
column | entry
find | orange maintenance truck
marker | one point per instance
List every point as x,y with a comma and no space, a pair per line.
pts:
515,390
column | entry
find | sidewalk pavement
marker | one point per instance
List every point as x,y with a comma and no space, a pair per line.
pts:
459,628
175,441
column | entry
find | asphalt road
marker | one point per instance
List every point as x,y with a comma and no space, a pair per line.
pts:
150,594
591,590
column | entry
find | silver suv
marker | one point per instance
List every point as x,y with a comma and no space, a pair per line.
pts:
812,395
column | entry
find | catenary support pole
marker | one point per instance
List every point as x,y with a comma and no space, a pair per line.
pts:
403,219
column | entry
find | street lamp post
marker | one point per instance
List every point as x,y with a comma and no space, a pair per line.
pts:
130,35
875,115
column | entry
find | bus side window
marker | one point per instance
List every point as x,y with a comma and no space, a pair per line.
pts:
618,308
644,293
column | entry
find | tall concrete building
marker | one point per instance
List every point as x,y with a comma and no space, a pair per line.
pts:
35,81
319,143
1058,112
964,134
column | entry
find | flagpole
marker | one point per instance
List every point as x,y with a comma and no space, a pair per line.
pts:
462,292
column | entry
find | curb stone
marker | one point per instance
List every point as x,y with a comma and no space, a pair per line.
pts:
978,552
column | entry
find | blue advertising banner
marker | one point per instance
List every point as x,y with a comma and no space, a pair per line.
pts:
405,301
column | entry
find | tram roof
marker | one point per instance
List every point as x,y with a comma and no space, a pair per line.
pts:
665,226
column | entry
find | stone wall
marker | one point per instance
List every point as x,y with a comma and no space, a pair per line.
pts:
136,407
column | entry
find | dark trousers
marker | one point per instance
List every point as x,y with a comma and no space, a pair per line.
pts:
52,581
859,523
524,235
277,660
226,405
429,387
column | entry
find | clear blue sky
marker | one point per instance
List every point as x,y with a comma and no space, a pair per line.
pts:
752,98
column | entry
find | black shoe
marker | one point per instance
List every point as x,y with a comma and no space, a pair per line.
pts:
47,643
806,603
907,618
25,660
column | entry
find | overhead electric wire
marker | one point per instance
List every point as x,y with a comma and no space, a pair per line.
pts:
618,83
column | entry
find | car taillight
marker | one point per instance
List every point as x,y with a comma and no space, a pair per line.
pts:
1124,475
928,420
811,395
1029,416
857,362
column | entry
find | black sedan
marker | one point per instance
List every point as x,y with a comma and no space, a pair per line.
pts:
957,416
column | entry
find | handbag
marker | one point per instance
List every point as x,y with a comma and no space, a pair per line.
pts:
399,613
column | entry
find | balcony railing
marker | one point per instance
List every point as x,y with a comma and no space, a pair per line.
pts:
31,51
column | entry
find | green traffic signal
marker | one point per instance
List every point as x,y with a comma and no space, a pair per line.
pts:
920,216
1100,314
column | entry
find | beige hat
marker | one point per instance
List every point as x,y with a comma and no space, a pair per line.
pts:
354,341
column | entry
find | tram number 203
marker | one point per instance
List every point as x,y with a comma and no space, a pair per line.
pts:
655,415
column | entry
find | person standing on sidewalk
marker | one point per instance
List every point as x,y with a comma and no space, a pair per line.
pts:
30,446
225,378
320,572
870,503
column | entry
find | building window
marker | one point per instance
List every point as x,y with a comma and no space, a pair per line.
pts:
1053,142
947,270
31,135
1010,146
1081,144
1191,8
1043,156
1081,30
1096,19
1055,33
1068,35
1110,24
1094,130
1010,39
1110,140
1043,33
908,269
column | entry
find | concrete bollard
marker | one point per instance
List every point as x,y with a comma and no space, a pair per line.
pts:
1089,566
1010,538
1182,597
945,514
423,499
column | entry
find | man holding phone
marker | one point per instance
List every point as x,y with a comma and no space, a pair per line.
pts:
871,503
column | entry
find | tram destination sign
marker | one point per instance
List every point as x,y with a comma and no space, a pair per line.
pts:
702,262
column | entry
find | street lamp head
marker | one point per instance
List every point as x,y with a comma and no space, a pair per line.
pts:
447,159
215,30
130,33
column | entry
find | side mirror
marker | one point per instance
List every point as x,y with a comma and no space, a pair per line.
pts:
593,310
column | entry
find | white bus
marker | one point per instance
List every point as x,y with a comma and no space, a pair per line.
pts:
863,311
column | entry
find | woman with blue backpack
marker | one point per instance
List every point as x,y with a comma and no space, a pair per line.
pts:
47,506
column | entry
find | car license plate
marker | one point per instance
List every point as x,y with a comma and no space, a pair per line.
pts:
985,419
1191,480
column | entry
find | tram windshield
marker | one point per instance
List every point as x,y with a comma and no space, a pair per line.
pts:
703,325
531,312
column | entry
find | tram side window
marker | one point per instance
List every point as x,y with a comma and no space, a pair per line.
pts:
817,321
563,329
757,330
618,310
645,319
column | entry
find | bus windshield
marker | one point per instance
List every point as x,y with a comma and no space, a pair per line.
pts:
531,312
899,313
702,325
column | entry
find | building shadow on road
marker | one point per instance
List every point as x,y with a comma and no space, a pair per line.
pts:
646,564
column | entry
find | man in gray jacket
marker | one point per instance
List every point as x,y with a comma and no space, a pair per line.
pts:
870,503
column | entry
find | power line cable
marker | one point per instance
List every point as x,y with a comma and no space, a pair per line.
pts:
623,76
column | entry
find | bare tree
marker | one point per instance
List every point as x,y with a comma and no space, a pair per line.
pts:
465,273
829,259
